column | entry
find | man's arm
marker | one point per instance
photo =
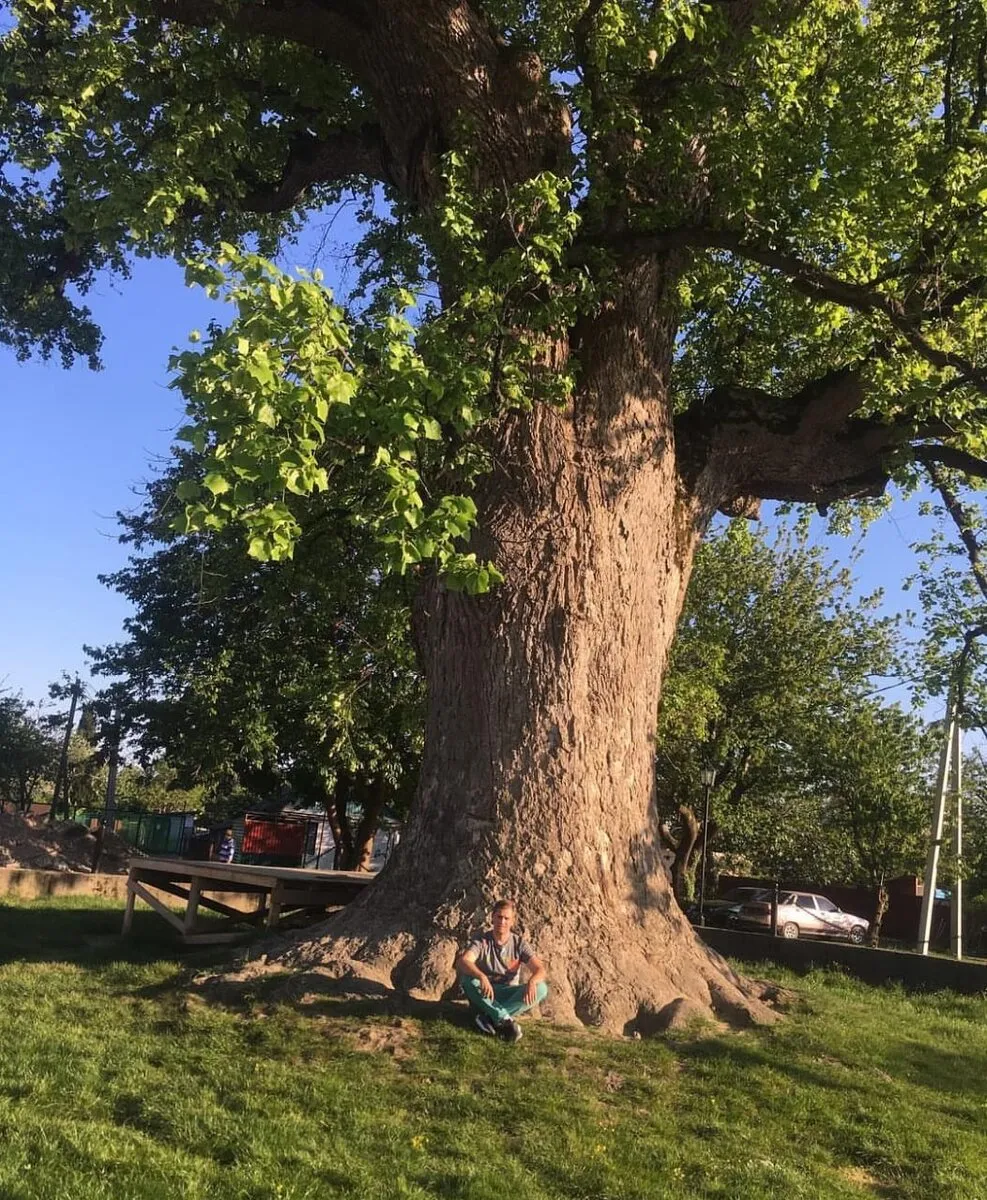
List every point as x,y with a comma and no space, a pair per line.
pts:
466,965
538,973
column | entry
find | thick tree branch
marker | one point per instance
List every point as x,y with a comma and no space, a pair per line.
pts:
810,447
330,27
342,156
805,277
423,70
669,841
951,457
961,519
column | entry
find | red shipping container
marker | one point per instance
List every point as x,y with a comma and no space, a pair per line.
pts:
286,839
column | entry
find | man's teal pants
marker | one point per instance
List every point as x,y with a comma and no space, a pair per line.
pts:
508,998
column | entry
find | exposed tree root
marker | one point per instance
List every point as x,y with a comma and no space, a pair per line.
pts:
641,979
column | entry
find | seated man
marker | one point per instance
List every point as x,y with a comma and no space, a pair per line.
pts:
489,975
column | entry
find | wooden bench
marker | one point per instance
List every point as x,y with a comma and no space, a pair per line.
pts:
223,887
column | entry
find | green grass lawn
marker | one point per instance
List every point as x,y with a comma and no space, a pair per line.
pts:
113,1085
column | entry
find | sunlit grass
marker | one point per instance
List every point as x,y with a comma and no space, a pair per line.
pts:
114,1085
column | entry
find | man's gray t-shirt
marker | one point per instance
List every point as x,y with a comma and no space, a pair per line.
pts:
501,964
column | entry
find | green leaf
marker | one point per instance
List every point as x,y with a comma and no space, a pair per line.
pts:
216,483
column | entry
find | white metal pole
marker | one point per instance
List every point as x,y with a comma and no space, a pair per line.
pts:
702,878
935,843
956,907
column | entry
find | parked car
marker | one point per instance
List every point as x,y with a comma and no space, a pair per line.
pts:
720,911
801,914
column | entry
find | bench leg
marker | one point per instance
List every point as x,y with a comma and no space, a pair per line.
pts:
274,912
192,905
128,912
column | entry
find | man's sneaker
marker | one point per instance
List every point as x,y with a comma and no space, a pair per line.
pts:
486,1025
509,1030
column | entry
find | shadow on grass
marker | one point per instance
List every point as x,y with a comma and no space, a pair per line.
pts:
744,1056
933,1067
88,935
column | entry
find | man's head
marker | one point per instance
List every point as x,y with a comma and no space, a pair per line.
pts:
502,919
228,833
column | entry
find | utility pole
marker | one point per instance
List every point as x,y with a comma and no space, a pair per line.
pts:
938,816
61,775
108,819
956,904
708,777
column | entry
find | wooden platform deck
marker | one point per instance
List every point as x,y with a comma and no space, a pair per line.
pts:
265,893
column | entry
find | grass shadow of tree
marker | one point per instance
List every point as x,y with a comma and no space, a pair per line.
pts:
89,936
943,1071
738,1055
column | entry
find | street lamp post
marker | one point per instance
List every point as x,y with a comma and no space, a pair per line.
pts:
708,777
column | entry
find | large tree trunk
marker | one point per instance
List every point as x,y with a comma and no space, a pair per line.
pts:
537,781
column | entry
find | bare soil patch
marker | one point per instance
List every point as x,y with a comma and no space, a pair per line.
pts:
31,844
862,1178
398,1038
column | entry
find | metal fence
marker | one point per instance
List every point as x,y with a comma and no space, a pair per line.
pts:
151,833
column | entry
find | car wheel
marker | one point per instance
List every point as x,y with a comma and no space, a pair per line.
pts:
857,934
789,930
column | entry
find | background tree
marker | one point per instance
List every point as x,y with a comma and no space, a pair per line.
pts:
155,788
663,260
295,681
62,726
952,590
85,785
28,754
975,831
773,648
791,838
874,770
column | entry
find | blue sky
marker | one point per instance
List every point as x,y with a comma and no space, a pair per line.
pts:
75,443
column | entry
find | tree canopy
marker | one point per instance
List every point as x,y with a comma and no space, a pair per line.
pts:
815,171
875,768
624,265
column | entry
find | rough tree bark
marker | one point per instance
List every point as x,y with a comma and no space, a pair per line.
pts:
354,848
374,799
537,780
337,835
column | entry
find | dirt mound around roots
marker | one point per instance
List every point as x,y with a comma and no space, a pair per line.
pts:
31,844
